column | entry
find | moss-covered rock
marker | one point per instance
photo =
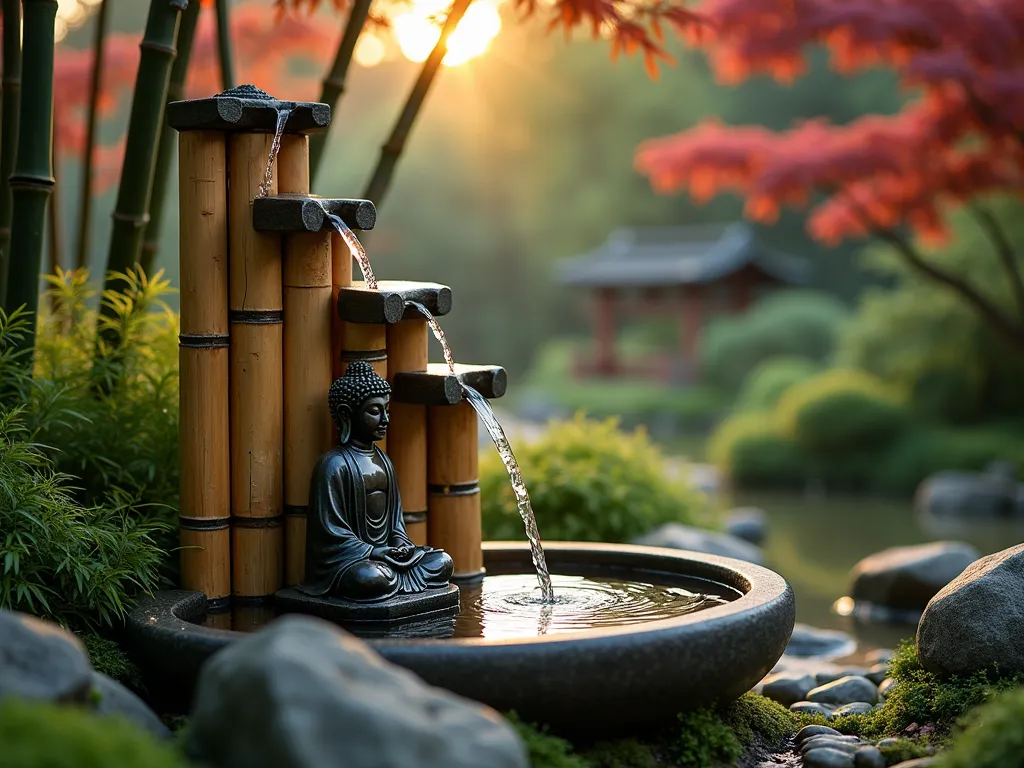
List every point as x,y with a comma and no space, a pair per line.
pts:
544,749
107,658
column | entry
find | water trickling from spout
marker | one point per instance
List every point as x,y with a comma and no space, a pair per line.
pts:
275,148
355,247
438,333
483,410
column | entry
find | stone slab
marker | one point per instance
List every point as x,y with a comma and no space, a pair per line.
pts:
308,213
436,602
246,109
436,386
359,304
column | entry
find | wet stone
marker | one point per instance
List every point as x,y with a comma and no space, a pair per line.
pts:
879,656
747,523
809,731
828,676
828,758
853,708
889,742
811,708
848,744
921,762
824,644
868,757
846,690
885,687
787,689
877,673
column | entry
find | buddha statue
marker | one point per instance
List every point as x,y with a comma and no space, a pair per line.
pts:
357,548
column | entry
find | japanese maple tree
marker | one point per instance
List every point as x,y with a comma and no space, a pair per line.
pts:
958,139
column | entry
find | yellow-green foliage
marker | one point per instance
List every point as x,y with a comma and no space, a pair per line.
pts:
625,753
769,381
543,749
840,411
750,449
758,717
903,750
35,735
993,736
588,481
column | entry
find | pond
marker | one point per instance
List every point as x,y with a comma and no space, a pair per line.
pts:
814,542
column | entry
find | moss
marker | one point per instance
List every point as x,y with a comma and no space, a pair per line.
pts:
992,736
753,717
38,735
626,753
902,750
545,750
107,658
705,740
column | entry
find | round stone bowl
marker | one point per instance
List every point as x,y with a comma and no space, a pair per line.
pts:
611,679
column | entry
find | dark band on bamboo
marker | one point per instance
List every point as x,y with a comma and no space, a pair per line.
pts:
204,340
149,45
218,604
258,522
455,489
296,510
368,355
26,181
256,316
411,518
204,523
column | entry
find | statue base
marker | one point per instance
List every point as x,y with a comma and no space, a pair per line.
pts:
437,603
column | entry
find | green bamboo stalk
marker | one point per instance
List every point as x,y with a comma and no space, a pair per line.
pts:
392,150
334,83
168,142
32,180
85,198
131,212
55,258
227,66
9,129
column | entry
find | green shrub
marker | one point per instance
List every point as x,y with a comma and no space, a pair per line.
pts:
769,381
993,737
37,735
753,454
545,750
107,658
788,323
588,481
840,412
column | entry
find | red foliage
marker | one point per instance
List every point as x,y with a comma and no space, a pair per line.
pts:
963,135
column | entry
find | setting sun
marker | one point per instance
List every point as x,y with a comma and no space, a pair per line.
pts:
416,30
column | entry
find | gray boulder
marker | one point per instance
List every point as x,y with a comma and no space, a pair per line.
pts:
906,578
976,622
747,523
112,698
304,694
678,536
787,689
991,493
41,661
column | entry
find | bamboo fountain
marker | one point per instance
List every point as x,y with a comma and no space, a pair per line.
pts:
270,316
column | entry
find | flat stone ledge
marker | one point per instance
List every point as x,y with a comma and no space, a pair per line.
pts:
436,386
247,109
308,213
438,602
359,304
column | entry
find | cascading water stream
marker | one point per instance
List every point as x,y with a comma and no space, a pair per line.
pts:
355,247
275,148
486,414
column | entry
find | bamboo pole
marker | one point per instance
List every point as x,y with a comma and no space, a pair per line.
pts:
307,358
407,436
454,490
95,82
341,277
165,152
367,342
9,130
203,359
32,179
334,83
227,66
256,383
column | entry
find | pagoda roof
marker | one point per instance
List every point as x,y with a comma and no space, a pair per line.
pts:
668,256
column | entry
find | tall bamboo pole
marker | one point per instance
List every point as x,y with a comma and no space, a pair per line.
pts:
32,180
131,212
55,256
95,83
334,83
227,66
165,153
380,180
407,342
307,357
9,130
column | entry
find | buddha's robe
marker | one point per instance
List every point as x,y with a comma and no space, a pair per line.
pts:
342,533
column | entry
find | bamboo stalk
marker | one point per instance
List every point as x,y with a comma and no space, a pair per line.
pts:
32,181
334,83
407,435
9,131
367,342
95,82
227,67
380,180
55,255
341,277
131,212
165,153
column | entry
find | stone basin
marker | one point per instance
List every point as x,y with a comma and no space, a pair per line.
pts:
611,679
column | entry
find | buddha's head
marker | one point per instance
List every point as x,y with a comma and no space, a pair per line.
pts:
359,403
